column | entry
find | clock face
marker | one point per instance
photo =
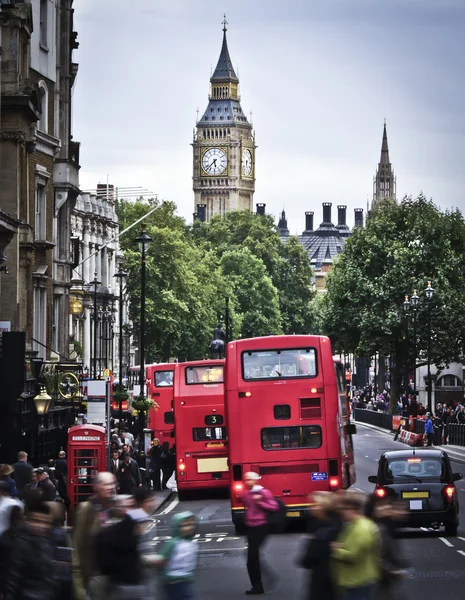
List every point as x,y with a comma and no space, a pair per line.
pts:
246,162
214,161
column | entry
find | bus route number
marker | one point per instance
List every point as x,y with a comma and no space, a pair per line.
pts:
214,420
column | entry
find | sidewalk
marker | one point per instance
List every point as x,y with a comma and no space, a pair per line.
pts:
456,453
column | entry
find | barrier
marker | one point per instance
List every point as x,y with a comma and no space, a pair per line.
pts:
410,438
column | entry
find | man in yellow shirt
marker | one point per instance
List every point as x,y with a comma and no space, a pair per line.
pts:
356,553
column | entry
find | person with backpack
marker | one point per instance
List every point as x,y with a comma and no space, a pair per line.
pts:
258,503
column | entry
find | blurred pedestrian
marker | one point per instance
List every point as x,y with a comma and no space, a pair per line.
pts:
179,558
388,515
7,503
30,574
45,485
167,464
119,552
258,503
62,553
325,525
5,476
429,431
129,478
356,551
91,517
61,464
22,472
154,455
6,541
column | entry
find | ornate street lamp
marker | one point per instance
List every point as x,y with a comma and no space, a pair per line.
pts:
429,291
414,299
95,283
121,274
42,401
143,240
406,310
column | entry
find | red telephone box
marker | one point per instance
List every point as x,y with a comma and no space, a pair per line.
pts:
86,457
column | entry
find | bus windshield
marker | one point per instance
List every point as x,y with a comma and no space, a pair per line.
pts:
195,375
278,364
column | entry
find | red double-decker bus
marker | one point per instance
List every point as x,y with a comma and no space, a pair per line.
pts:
287,419
200,426
160,386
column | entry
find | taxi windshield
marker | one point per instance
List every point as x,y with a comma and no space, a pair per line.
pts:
415,469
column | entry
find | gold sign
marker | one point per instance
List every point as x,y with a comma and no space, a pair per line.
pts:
68,385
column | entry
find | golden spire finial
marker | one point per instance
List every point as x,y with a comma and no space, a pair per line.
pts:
224,23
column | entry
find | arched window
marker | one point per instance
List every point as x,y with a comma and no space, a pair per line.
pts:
42,124
449,381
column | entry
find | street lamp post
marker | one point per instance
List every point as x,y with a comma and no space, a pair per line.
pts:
121,274
143,241
414,300
406,310
95,283
429,291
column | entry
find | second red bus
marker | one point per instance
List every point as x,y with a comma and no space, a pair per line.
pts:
200,426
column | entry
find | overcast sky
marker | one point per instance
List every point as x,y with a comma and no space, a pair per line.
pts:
319,75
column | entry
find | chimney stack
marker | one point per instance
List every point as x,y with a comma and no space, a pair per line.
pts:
327,212
309,221
341,215
261,209
202,212
358,217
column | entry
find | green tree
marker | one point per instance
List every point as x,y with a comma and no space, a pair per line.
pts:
287,265
401,248
180,295
257,297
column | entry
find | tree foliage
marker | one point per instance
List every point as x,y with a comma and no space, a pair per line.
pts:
192,269
402,247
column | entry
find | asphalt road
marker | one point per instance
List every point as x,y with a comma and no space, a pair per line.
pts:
438,562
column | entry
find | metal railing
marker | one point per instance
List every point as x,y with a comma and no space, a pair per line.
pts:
453,433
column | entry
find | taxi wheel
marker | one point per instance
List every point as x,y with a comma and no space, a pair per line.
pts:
451,528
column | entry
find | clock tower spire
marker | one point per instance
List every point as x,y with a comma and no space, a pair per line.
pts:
224,146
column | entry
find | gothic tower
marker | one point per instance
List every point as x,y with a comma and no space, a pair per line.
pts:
384,183
224,147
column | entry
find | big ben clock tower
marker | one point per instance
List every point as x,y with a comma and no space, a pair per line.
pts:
224,147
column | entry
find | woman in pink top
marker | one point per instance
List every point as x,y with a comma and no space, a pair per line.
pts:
258,502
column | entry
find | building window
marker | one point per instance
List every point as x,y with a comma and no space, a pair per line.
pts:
43,22
56,323
40,321
449,381
40,220
42,124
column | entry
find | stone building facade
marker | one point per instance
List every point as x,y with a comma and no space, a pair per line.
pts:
95,330
223,147
39,167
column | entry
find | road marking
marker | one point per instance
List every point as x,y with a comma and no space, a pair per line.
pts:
462,552
447,543
463,539
170,507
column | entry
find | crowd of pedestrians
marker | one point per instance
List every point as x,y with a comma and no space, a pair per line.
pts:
134,467
351,551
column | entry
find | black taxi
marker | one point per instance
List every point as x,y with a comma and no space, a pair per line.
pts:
423,479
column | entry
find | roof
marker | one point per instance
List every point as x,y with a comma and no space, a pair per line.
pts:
419,453
384,160
223,112
224,71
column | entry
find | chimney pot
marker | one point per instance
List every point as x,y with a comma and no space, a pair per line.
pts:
341,214
327,212
261,209
309,221
358,217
